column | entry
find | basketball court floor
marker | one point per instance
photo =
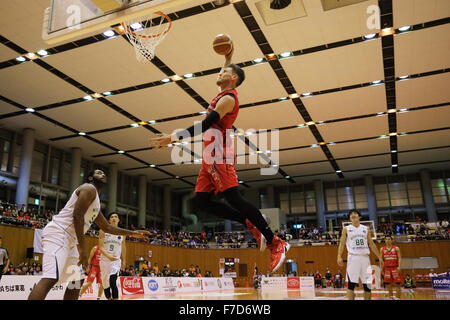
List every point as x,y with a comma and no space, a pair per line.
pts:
320,294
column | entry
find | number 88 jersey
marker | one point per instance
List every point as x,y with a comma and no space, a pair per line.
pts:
357,240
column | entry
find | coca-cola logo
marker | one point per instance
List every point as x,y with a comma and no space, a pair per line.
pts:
293,283
131,283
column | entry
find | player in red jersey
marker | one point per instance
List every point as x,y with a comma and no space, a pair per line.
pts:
94,270
391,273
218,171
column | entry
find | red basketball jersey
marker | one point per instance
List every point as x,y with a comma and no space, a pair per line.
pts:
222,125
95,261
390,257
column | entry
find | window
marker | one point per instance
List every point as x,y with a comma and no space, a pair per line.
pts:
382,195
398,194
37,166
310,202
414,193
298,202
54,170
345,198
284,201
331,199
360,197
438,188
6,147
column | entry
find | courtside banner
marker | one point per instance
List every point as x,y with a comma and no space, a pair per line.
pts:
19,288
227,283
157,285
185,285
274,283
131,285
210,284
307,284
442,283
293,283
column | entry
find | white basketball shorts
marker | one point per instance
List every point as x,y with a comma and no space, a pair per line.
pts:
359,268
61,256
107,269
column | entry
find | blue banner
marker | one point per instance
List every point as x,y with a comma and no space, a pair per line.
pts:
441,282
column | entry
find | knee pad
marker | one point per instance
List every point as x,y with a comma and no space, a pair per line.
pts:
367,288
351,286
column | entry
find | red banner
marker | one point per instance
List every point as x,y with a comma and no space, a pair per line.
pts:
131,285
293,283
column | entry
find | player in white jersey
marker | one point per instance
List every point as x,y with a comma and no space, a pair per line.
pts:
358,239
65,256
115,246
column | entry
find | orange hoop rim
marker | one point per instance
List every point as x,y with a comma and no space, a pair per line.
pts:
159,13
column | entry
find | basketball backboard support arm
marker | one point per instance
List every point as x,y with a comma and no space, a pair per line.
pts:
68,19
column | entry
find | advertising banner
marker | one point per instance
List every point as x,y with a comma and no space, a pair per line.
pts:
307,284
441,283
19,288
293,283
131,285
155,285
274,283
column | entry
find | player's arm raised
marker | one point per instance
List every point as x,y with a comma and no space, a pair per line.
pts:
374,248
224,105
104,225
86,195
340,262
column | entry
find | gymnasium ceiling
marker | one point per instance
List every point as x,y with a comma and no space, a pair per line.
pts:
351,132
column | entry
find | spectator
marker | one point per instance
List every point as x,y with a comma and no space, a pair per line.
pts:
338,279
318,279
409,282
432,273
328,277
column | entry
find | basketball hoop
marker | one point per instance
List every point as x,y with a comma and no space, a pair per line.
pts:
145,35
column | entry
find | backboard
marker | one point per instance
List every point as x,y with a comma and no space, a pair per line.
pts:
68,19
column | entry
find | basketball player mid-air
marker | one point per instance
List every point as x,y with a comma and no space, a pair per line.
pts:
220,176
391,273
114,245
65,255
358,239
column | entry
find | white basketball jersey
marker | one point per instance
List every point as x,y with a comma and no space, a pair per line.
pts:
357,240
64,219
113,244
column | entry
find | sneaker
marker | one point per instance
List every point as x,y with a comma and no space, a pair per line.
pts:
278,250
259,237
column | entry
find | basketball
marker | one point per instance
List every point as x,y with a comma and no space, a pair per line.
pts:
223,44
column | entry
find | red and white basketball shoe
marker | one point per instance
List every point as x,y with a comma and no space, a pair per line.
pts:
278,249
259,237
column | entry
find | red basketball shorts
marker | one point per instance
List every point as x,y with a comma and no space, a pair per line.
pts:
216,177
392,275
94,273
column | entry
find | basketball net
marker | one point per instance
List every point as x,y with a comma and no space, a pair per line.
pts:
146,34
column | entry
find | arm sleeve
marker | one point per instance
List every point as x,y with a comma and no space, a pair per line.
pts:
199,127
